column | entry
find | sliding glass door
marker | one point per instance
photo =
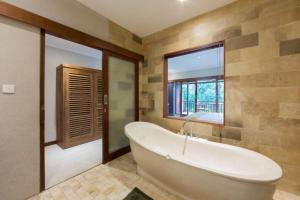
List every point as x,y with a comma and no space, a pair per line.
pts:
186,96
121,102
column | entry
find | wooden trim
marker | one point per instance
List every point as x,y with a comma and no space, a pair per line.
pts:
118,153
105,107
166,81
194,49
105,64
197,79
196,96
187,98
50,143
62,31
165,89
180,99
42,110
217,94
224,72
72,66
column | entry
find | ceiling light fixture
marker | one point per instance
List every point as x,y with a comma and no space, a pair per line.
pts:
182,1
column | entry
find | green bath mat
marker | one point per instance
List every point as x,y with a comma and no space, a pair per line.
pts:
137,194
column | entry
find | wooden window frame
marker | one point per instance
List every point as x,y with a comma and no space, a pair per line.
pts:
166,81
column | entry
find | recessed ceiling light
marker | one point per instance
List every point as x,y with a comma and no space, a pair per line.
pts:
182,1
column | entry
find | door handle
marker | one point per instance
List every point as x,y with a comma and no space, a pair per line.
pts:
105,99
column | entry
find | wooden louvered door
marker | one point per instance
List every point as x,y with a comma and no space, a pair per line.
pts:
81,116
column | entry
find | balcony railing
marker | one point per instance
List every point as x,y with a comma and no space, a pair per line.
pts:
202,106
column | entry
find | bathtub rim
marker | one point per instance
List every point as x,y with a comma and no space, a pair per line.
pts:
236,177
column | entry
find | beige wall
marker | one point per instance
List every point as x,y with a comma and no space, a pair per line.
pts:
19,112
262,77
68,12
73,14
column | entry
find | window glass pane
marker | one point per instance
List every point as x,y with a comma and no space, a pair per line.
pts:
184,98
192,97
221,95
207,96
177,98
171,98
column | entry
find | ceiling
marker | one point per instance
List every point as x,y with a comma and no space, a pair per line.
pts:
67,45
144,17
201,60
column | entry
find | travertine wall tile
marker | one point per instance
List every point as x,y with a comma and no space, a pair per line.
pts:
260,108
229,133
288,32
276,79
242,42
287,126
137,39
155,78
232,57
290,47
124,38
227,33
290,111
262,77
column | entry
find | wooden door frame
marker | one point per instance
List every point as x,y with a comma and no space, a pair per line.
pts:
51,27
42,109
106,157
105,61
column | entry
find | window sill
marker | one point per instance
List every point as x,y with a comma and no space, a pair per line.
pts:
196,120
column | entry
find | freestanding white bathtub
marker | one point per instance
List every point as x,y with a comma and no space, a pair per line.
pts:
206,171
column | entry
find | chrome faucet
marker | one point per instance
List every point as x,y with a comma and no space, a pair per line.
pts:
189,118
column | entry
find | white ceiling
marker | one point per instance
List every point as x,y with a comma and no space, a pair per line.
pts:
201,60
67,45
144,17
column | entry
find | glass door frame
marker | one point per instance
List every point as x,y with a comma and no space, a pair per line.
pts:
107,156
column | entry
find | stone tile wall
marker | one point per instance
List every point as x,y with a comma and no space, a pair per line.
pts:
124,38
262,84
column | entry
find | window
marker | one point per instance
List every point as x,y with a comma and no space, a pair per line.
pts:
194,84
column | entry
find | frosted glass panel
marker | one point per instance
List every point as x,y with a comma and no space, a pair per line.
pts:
121,100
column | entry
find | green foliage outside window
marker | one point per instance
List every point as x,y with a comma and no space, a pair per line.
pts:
206,96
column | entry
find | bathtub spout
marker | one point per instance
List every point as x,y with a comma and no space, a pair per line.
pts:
186,135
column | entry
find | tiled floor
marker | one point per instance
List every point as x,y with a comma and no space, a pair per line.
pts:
113,182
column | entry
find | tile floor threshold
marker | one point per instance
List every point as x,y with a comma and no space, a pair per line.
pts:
113,181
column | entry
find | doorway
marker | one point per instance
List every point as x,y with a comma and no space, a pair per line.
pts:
119,96
72,144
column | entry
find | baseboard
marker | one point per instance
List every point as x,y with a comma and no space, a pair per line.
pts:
50,143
